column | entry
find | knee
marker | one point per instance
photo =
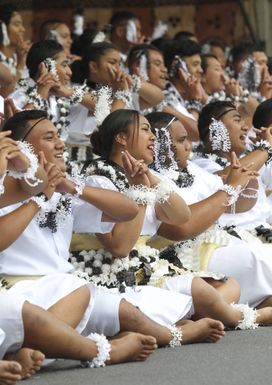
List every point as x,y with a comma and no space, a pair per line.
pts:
234,288
129,314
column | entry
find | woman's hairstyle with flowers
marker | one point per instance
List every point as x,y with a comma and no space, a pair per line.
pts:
119,121
215,110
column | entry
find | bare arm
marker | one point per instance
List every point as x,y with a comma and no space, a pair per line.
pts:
189,124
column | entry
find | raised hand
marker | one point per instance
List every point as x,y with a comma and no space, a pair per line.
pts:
135,170
8,149
54,175
240,175
46,81
263,133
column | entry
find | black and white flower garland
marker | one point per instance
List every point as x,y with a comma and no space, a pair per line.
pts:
185,178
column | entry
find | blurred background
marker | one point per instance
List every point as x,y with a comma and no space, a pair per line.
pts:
231,21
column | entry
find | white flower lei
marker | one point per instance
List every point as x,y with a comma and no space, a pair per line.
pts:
2,188
29,174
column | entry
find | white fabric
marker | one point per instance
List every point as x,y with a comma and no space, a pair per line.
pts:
38,251
256,216
151,223
102,315
11,323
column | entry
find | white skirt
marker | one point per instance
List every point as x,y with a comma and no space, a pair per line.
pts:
250,264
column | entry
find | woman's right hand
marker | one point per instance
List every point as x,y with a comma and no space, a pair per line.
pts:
135,170
45,81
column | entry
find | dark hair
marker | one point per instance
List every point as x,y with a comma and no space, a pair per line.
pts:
136,52
80,68
19,125
115,123
159,119
212,110
263,114
183,35
82,42
122,17
205,59
184,48
6,12
48,26
244,49
39,52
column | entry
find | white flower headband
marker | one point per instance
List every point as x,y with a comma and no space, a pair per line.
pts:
219,136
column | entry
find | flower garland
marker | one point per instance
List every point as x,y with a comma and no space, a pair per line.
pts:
108,169
185,178
54,212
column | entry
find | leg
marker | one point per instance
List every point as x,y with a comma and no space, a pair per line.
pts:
229,289
49,334
208,303
71,308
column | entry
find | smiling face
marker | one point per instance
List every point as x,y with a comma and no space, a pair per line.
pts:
213,79
15,28
180,144
100,71
63,69
44,137
65,37
157,71
237,131
194,65
140,142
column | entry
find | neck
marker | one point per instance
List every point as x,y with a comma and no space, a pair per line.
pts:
8,50
116,157
226,155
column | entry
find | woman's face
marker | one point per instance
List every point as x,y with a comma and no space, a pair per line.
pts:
157,71
140,143
16,28
237,131
63,69
65,37
104,70
213,79
180,144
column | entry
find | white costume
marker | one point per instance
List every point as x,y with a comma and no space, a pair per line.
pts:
39,251
249,262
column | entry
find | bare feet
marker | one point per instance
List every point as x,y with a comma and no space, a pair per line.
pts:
203,330
10,372
30,361
132,347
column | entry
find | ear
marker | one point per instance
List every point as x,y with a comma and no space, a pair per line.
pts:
92,67
121,139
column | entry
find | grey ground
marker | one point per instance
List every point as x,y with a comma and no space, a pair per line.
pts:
242,357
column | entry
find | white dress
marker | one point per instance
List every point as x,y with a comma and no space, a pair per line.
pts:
249,262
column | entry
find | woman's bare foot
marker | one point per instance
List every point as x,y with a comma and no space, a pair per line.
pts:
132,347
10,372
203,330
30,361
